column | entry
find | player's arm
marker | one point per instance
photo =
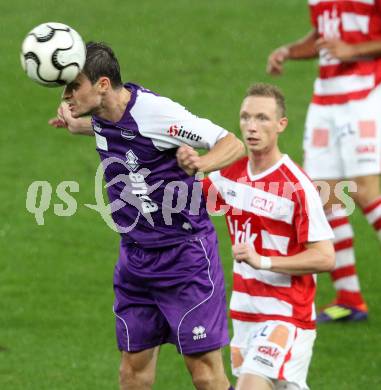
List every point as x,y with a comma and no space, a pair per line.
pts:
344,51
226,150
317,257
304,48
74,125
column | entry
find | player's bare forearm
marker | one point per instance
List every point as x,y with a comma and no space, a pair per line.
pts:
64,119
304,48
223,153
318,257
350,52
81,126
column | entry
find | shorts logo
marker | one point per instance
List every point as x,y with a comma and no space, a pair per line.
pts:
367,129
132,161
361,149
175,131
199,333
320,138
269,351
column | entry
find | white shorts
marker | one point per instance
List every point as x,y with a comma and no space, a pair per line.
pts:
344,140
275,350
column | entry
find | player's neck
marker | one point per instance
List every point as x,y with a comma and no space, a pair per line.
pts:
114,105
262,161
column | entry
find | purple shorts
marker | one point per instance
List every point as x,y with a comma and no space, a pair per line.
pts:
172,295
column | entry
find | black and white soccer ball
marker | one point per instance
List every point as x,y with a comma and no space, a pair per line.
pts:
53,54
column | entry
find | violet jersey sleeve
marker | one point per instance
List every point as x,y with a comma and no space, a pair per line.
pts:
169,124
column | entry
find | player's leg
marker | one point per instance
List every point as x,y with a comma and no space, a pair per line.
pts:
194,305
207,370
368,197
349,303
325,163
137,369
250,381
278,353
135,305
363,155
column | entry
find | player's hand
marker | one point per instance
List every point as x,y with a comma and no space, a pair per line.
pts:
336,48
276,60
74,125
247,254
62,118
188,159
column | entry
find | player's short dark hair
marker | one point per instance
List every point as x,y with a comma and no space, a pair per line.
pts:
269,90
101,61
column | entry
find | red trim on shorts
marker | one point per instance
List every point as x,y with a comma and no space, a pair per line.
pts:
344,244
340,99
286,359
343,272
251,317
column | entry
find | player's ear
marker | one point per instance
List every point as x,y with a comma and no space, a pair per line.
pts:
282,124
103,84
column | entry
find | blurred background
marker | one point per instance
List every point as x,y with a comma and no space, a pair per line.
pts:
56,320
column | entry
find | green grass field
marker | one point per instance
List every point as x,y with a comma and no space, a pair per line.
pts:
56,322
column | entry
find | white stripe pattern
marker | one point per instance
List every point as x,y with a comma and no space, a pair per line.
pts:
344,258
342,233
259,305
275,242
355,22
244,197
343,84
349,283
374,215
268,277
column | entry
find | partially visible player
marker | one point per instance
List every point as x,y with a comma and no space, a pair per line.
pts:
168,282
280,238
343,127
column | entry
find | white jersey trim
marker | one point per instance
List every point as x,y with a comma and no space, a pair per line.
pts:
343,84
269,277
275,242
170,125
355,22
318,228
258,176
244,197
259,305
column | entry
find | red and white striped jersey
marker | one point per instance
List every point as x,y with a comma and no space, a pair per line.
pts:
353,21
278,212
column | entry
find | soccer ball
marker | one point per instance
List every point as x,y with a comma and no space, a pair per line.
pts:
53,54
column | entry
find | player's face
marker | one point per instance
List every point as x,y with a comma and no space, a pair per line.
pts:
82,96
260,123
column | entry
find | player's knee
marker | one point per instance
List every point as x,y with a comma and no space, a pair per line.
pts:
204,380
131,378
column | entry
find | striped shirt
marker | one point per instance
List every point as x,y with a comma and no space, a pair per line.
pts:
353,21
278,212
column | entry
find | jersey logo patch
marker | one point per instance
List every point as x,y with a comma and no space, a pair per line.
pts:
128,134
132,161
175,131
